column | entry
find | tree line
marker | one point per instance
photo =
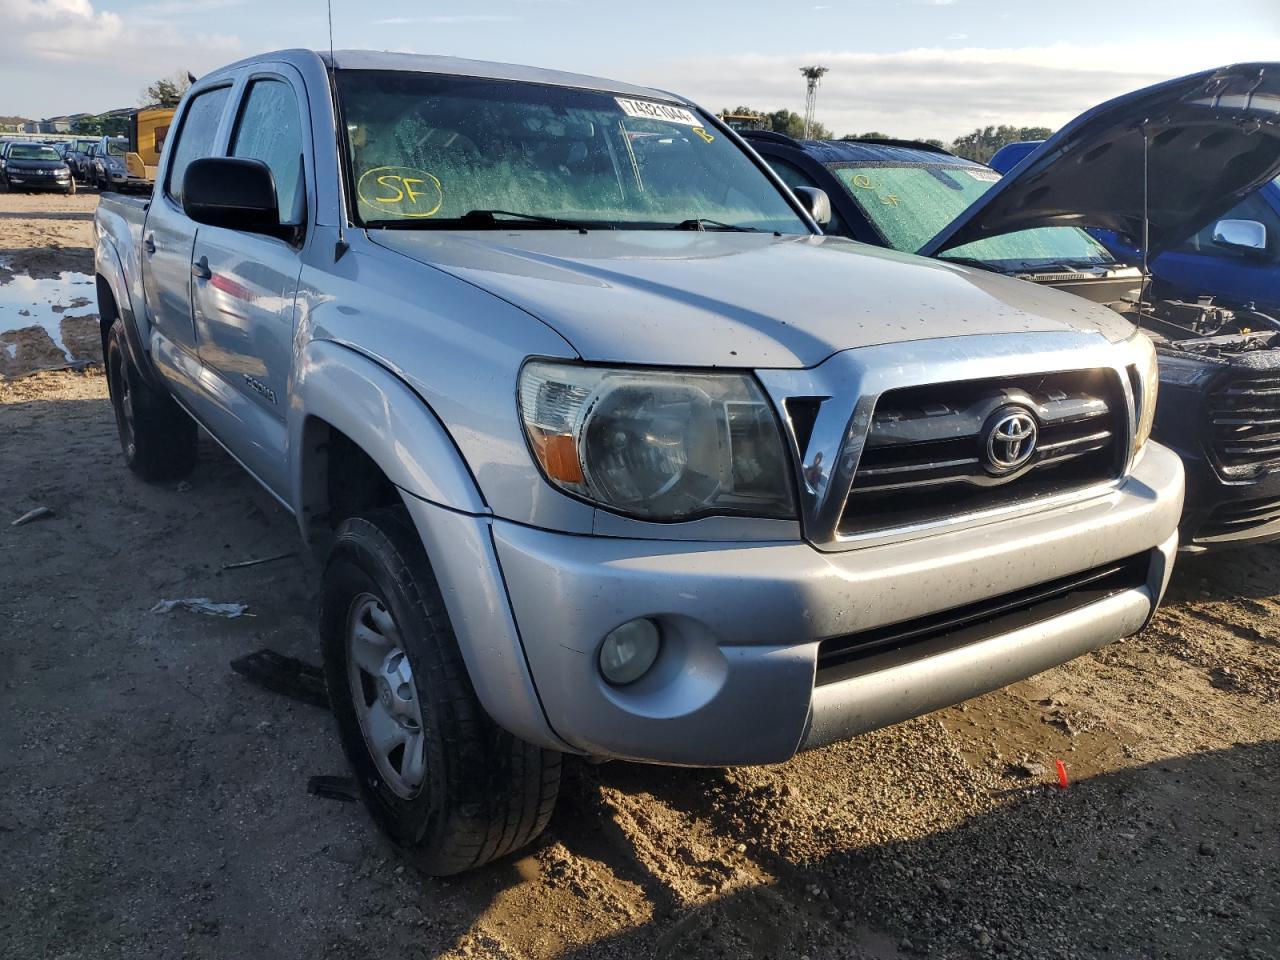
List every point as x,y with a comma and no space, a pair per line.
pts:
980,144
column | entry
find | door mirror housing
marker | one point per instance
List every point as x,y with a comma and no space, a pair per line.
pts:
816,203
1246,236
233,192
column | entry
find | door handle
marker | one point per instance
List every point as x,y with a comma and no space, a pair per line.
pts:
149,244
200,269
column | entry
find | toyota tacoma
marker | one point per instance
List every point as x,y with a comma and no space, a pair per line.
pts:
604,448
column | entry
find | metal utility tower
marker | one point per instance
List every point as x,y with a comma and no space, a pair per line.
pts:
812,76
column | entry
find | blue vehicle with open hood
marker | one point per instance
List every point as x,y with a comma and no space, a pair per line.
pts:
1235,260
1203,145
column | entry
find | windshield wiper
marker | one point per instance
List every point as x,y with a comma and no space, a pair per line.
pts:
480,219
702,223
489,218
971,262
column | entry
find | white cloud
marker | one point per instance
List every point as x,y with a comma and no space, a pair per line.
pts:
944,92
125,54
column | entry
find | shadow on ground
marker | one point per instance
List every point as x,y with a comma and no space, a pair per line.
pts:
1178,859
153,804
45,215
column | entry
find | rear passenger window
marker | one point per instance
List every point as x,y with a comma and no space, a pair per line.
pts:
195,139
270,130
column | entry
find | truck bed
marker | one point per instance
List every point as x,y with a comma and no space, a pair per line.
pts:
118,227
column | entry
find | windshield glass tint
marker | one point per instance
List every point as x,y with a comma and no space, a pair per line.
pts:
425,150
910,205
22,151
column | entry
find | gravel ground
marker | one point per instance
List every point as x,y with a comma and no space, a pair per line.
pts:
153,804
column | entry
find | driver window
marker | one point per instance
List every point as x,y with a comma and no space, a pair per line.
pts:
1252,207
794,177
270,130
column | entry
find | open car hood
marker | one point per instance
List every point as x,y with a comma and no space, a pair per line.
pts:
1212,139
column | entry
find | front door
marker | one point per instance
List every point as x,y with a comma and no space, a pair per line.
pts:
244,285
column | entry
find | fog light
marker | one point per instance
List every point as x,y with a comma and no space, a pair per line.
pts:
629,651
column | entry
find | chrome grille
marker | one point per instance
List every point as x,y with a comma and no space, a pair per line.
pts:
1245,414
926,458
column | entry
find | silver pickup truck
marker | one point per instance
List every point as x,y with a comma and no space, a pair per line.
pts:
605,449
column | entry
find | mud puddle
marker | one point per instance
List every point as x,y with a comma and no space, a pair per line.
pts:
47,323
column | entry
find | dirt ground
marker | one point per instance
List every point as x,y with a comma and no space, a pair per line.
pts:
153,804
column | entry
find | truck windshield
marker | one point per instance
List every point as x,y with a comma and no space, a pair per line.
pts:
911,205
442,151
117,148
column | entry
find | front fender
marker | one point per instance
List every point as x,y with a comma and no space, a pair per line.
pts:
382,416
345,390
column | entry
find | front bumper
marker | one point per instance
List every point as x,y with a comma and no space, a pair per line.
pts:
28,182
1218,512
742,624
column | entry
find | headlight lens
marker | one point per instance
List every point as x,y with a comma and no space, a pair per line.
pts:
657,444
1146,388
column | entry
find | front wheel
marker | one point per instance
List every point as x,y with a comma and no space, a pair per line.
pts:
437,774
156,435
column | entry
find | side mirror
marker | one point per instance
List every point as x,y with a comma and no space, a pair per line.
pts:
231,192
816,203
1248,236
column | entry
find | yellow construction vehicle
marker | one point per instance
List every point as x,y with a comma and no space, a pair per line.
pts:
148,129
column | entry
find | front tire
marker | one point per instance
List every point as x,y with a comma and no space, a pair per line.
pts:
156,435
437,774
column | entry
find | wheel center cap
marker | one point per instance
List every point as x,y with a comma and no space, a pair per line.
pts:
384,694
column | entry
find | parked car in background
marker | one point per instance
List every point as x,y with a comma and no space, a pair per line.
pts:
110,170
1220,368
1235,260
603,447
76,156
36,166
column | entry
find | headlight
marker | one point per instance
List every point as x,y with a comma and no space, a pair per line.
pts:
657,444
1145,374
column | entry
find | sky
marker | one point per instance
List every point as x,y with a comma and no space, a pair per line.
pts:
909,68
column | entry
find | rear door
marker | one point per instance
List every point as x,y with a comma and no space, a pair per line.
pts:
244,283
167,240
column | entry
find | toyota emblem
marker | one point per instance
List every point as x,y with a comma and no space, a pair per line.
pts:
1011,440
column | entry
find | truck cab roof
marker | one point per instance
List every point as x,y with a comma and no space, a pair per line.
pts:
451,66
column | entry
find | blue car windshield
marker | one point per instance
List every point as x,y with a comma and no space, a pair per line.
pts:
427,150
910,205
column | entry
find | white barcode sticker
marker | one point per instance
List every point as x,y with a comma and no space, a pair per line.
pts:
649,110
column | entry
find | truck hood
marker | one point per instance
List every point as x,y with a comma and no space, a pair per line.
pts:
738,299
1212,139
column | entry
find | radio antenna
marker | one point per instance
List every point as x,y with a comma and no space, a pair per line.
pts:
338,140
